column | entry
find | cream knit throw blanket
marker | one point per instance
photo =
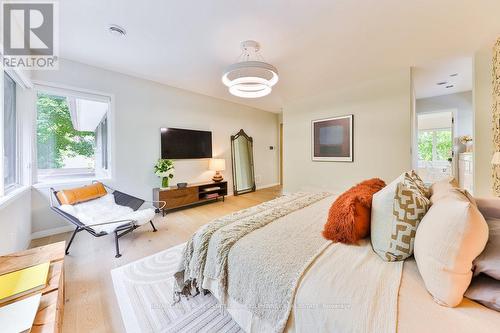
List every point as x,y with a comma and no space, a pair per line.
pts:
206,253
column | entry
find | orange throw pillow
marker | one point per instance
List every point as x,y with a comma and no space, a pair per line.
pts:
81,194
349,216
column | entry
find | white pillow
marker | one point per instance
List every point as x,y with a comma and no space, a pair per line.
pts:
382,216
450,236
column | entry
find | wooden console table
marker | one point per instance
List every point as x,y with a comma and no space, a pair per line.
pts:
190,195
50,311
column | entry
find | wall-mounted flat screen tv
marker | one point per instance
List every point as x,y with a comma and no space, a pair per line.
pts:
177,143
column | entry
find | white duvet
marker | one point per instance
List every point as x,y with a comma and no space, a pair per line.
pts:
104,210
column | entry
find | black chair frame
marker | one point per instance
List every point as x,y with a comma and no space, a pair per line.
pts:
121,199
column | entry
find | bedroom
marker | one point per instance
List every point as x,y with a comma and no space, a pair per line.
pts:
151,65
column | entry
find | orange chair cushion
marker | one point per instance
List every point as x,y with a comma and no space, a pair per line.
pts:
81,194
350,215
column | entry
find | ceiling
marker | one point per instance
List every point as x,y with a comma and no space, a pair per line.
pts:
443,77
317,46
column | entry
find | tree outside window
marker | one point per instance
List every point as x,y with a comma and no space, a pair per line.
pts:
57,140
72,136
435,145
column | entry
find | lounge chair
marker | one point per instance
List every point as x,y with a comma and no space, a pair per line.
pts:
124,205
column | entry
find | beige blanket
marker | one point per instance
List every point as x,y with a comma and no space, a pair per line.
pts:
205,255
190,273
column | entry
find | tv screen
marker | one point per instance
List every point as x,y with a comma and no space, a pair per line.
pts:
179,143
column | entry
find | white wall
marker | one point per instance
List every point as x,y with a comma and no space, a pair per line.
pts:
141,108
483,135
382,134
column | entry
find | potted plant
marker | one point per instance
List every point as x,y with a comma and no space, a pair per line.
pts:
165,170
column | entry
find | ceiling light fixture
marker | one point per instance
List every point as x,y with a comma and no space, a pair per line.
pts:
250,76
116,30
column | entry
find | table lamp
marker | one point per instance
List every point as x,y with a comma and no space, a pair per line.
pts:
217,165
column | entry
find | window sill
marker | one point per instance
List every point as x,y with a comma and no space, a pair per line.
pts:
73,181
13,195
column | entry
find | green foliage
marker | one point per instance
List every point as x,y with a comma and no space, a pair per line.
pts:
443,145
56,137
425,140
164,168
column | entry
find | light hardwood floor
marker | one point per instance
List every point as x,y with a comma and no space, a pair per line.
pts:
91,304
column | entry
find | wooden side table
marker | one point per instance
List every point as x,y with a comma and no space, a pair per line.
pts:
50,311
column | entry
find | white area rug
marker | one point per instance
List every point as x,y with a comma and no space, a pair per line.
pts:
144,292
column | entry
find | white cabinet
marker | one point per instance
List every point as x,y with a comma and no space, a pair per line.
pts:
465,171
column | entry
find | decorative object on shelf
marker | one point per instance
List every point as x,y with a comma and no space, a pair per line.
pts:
250,76
217,165
164,169
181,185
332,139
242,159
466,141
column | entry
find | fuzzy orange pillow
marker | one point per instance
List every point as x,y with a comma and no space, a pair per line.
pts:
349,216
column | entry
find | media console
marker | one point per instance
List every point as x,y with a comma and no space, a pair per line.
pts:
190,195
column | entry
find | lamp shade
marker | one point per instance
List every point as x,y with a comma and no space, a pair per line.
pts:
217,164
496,158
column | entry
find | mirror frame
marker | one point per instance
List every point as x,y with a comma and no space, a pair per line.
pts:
250,140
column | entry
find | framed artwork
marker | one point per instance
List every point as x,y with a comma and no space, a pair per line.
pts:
332,139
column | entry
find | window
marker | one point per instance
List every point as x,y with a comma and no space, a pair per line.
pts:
72,136
435,145
10,171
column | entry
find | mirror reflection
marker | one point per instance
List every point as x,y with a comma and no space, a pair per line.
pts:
242,158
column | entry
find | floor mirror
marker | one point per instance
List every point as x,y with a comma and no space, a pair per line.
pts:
242,160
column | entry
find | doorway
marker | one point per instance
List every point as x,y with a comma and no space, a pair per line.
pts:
435,145
442,118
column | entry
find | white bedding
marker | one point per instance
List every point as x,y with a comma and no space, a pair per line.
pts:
105,209
326,305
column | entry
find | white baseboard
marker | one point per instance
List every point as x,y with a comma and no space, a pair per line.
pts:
52,231
260,187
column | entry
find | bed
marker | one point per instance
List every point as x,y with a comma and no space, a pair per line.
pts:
335,287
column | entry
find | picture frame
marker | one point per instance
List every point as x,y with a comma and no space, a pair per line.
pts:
332,139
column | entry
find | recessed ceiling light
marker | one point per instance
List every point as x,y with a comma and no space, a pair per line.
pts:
116,30
454,74
441,83
450,86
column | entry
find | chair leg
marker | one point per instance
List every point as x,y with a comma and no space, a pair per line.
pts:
154,228
71,239
118,255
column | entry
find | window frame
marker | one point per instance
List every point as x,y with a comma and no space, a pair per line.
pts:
68,91
8,188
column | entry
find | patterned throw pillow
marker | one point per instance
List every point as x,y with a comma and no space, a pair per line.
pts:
410,206
420,184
